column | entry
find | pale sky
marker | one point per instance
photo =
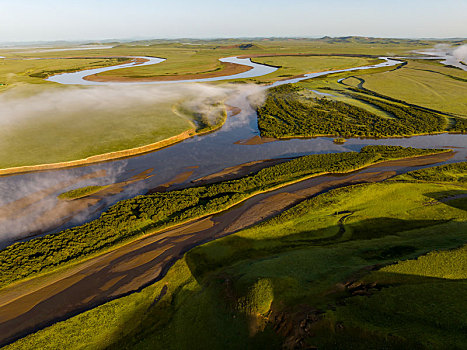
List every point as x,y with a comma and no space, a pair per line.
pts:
42,20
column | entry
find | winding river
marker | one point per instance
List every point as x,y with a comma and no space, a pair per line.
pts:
78,77
195,157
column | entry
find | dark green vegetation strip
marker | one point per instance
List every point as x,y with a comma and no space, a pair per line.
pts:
80,192
288,113
319,275
139,215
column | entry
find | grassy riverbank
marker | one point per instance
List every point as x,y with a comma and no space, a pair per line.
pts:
137,216
320,274
291,66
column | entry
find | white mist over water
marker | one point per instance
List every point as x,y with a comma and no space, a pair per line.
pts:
450,55
461,53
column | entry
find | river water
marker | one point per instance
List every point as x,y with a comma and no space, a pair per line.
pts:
197,157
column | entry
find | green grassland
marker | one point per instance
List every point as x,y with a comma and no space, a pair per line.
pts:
134,217
79,134
319,274
80,192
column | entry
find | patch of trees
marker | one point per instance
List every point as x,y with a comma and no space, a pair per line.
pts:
287,113
455,172
133,217
47,73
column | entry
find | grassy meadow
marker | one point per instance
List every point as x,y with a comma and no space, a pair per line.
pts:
78,134
367,266
196,57
291,66
424,84
29,74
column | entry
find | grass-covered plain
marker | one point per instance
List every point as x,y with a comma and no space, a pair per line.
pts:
78,134
319,274
197,57
16,71
186,58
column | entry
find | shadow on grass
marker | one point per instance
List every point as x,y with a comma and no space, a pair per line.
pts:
455,198
209,315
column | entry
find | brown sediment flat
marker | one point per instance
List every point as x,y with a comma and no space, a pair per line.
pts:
35,303
232,110
295,76
101,157
419,161
238,171
275,204
180,178
255,140
227,69
140,60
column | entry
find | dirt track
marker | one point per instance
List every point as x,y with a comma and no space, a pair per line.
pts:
33,304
